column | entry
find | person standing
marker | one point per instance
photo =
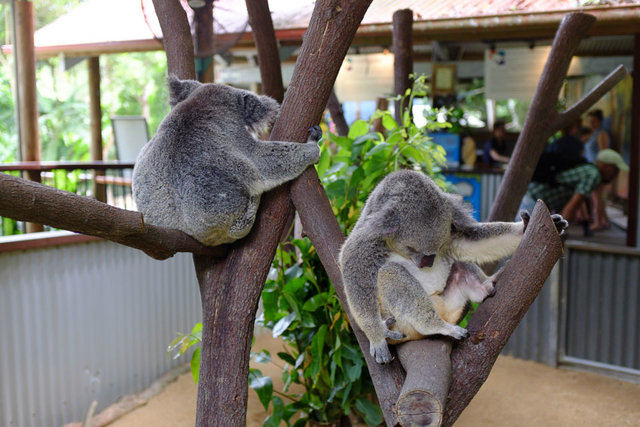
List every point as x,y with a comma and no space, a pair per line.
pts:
599,139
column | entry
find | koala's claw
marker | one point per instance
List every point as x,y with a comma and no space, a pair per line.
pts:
395,335
459,333
390,321
524,214
315,133
380,352
560,223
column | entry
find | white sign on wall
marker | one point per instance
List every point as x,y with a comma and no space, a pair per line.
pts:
513,72
365,77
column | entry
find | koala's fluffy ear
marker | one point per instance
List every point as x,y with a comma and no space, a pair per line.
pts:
259,111
384,223
179,90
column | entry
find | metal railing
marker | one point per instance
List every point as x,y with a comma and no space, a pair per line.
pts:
107,181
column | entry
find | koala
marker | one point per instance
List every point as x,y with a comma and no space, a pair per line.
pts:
410,263
203,172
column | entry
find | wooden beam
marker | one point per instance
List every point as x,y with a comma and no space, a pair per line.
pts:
402,39
634,166
27,93
95,124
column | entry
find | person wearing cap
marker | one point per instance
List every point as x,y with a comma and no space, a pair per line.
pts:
576,184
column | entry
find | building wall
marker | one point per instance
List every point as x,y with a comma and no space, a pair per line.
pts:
86,322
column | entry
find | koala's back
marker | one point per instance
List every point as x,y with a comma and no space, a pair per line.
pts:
192,176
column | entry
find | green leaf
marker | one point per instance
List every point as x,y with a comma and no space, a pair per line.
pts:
317,350
389,122
195,365
323,163
287,358
283,324
262,386
358,128
262,357
315,301
371,413
375,150
337,167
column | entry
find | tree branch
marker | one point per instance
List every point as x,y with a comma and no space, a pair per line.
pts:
231,290
543,118
495,320
579,108
267,46
176,37
28,201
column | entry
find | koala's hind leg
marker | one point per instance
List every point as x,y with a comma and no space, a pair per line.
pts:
466,283
403,298
241,226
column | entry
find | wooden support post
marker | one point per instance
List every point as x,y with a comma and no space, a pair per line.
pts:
402,55
203,40
95,123
634,166
337,114
27,93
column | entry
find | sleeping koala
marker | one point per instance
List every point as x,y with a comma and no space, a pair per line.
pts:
203,172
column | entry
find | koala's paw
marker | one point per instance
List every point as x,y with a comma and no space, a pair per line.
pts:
380,352
458,332
395,335
524,214
560,223
489,289
315,133
390,321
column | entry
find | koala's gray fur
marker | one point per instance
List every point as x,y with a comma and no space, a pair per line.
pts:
203,172
409,264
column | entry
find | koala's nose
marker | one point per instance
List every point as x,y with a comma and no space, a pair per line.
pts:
427,260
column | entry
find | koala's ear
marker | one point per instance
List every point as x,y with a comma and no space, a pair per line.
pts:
385,223
179,90
259,111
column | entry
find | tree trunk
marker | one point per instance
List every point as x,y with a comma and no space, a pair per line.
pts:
543,119
176,37
337,114
230,290
203,40
264,37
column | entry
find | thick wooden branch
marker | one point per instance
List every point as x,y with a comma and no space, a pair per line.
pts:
579,108
176,37
28,201
230,290
402,38
267,46
429,369
496,319
543,118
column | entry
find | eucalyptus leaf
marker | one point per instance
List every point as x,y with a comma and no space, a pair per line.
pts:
262,386
283,324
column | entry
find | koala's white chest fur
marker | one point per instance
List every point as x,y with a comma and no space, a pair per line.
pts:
432,279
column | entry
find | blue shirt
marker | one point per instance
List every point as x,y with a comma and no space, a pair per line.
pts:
591,146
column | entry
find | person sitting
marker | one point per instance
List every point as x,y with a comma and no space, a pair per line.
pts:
573,186
495,150
568,145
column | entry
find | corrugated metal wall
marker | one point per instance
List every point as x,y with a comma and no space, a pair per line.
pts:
83,322
490,184
603,300
536,337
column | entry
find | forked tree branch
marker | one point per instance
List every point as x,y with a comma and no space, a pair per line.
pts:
28,201
543,119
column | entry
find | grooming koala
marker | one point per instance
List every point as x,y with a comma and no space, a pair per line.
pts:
409,264
203,172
